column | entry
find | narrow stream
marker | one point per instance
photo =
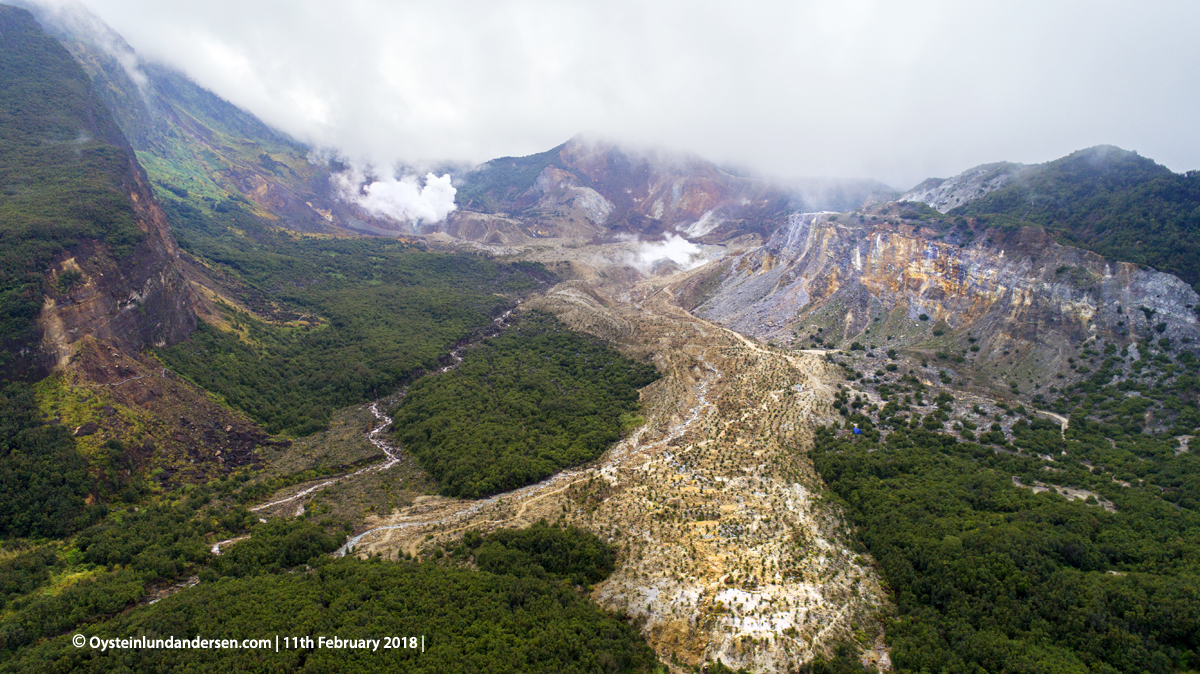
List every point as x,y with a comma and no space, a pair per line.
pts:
616,457
391,451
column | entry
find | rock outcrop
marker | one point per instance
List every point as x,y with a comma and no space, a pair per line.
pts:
946,194
80,210
131,302
844,278
587,189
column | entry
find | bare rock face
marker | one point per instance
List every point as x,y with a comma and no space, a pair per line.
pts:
655,192
485,228
133,302
1019,292
76,212
945,194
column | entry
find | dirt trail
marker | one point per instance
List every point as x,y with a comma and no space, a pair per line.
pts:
1062,421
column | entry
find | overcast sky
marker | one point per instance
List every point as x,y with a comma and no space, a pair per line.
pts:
897,91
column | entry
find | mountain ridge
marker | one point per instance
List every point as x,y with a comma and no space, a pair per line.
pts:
1105,199
79,210
589,188
194,143
1022,302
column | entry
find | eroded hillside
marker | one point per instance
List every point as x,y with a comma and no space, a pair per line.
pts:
1011,305
727,548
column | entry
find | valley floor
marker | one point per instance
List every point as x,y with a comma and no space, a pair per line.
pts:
727,548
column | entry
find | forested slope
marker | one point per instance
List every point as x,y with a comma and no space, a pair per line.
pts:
521,406
192,142
367,314
521,614
1108,200
79,234
1027,547
64,172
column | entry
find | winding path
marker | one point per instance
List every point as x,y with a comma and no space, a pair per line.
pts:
1063,421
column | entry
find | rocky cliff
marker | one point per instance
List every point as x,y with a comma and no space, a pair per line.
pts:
90,277
1014,302
946,194
130,302
1104,199
84,235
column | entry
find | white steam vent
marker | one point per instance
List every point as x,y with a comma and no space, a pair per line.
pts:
646,254
402,199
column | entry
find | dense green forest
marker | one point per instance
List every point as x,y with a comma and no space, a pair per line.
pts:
542,551
43,479
521,406
50,586
1116,203
505,617
63,165
371,314
990,576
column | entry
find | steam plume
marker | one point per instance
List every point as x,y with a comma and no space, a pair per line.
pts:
673,247
402,199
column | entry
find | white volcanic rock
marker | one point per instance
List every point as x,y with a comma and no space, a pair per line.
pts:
945,194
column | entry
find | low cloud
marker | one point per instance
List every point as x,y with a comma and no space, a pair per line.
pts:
400,198
71,17
788,88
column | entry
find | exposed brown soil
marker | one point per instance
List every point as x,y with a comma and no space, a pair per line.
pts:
727,548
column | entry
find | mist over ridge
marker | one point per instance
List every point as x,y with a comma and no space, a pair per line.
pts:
867,89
